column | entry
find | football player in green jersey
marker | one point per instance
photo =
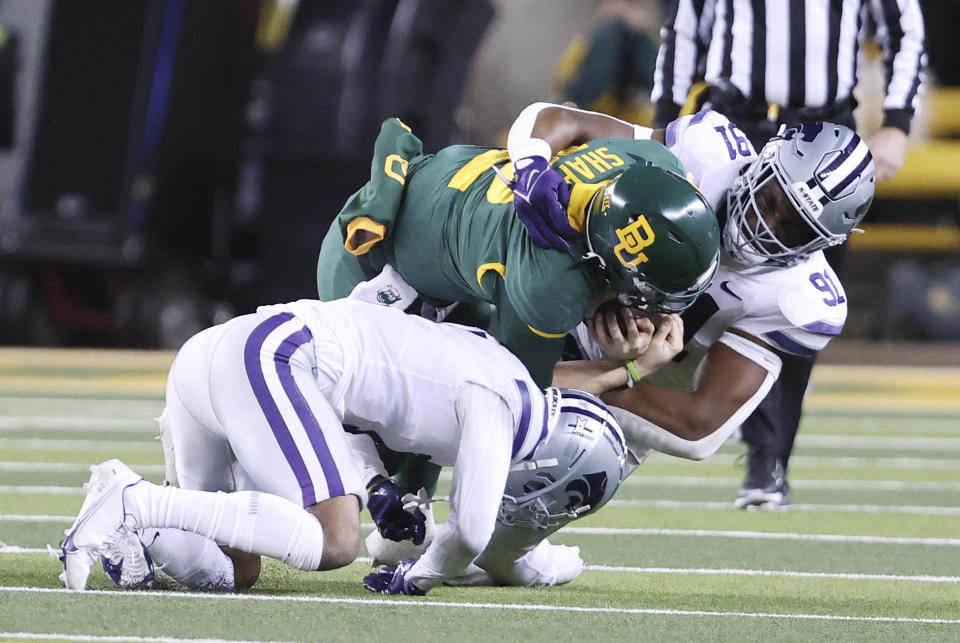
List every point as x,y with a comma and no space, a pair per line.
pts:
446,223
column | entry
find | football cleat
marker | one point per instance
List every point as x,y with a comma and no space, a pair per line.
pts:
473,576
127,562
765,484
100,523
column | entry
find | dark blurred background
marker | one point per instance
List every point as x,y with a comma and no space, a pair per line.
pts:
165,164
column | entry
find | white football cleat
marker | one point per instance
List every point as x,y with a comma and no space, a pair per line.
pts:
473,576
565,564
391,552
127,562
100,523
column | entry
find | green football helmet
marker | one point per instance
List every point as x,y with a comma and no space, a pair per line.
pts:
657,238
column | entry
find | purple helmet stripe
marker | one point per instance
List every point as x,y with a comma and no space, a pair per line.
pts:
570,394
855,174
524,418
844,155
605,421
543,431
790,345
699,116
258,382
305,414
823,328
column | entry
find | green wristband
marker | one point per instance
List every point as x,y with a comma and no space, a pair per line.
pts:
632,369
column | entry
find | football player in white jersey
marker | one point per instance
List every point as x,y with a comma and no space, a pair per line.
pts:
773,293
256,407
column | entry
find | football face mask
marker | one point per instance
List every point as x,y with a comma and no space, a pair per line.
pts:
808,189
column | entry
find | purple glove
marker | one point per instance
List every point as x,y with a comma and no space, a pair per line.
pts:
392,520
390,580
540,198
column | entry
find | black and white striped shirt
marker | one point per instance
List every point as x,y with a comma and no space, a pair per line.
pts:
792,53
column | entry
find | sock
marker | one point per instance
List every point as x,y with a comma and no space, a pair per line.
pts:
190,559
251,521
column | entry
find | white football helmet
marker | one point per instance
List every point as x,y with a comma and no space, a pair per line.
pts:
827,174
574,471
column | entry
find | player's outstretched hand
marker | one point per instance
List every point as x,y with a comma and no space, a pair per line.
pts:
540,198
621,332
665,344
391,580
392,520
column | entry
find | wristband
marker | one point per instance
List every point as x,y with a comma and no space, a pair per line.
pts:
536,147
634,374
641,133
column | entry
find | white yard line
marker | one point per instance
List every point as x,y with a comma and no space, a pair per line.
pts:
62,423
32,636
868,485
844,462
677,571
773,573
35,518
56,444
65,467
42,490
884,442
520,607
645,531
763,535
917,510
15,549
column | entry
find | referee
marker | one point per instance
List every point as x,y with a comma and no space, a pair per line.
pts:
772,62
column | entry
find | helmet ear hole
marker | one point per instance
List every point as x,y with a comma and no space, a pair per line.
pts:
578,466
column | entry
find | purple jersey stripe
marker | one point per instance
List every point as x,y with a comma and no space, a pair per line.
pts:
251,361
855,174
699,116
521,434
790,345
671,134
823,328
844,155
306,416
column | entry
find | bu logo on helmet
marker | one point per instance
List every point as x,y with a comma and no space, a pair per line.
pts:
633,239
586,493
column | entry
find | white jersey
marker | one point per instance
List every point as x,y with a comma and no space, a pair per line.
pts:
792,310
402,385
712,149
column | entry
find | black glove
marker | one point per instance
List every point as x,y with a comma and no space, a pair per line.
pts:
392,520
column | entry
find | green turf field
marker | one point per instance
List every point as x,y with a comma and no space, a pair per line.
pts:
869,551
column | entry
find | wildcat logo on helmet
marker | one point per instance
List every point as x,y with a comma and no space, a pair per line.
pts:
633,239
388,296
586,493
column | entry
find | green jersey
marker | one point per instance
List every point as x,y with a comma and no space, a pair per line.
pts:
446,223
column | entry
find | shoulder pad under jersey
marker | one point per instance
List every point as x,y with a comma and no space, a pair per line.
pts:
712,149
809,309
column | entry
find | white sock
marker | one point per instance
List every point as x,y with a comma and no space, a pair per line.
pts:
190,559
251,521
